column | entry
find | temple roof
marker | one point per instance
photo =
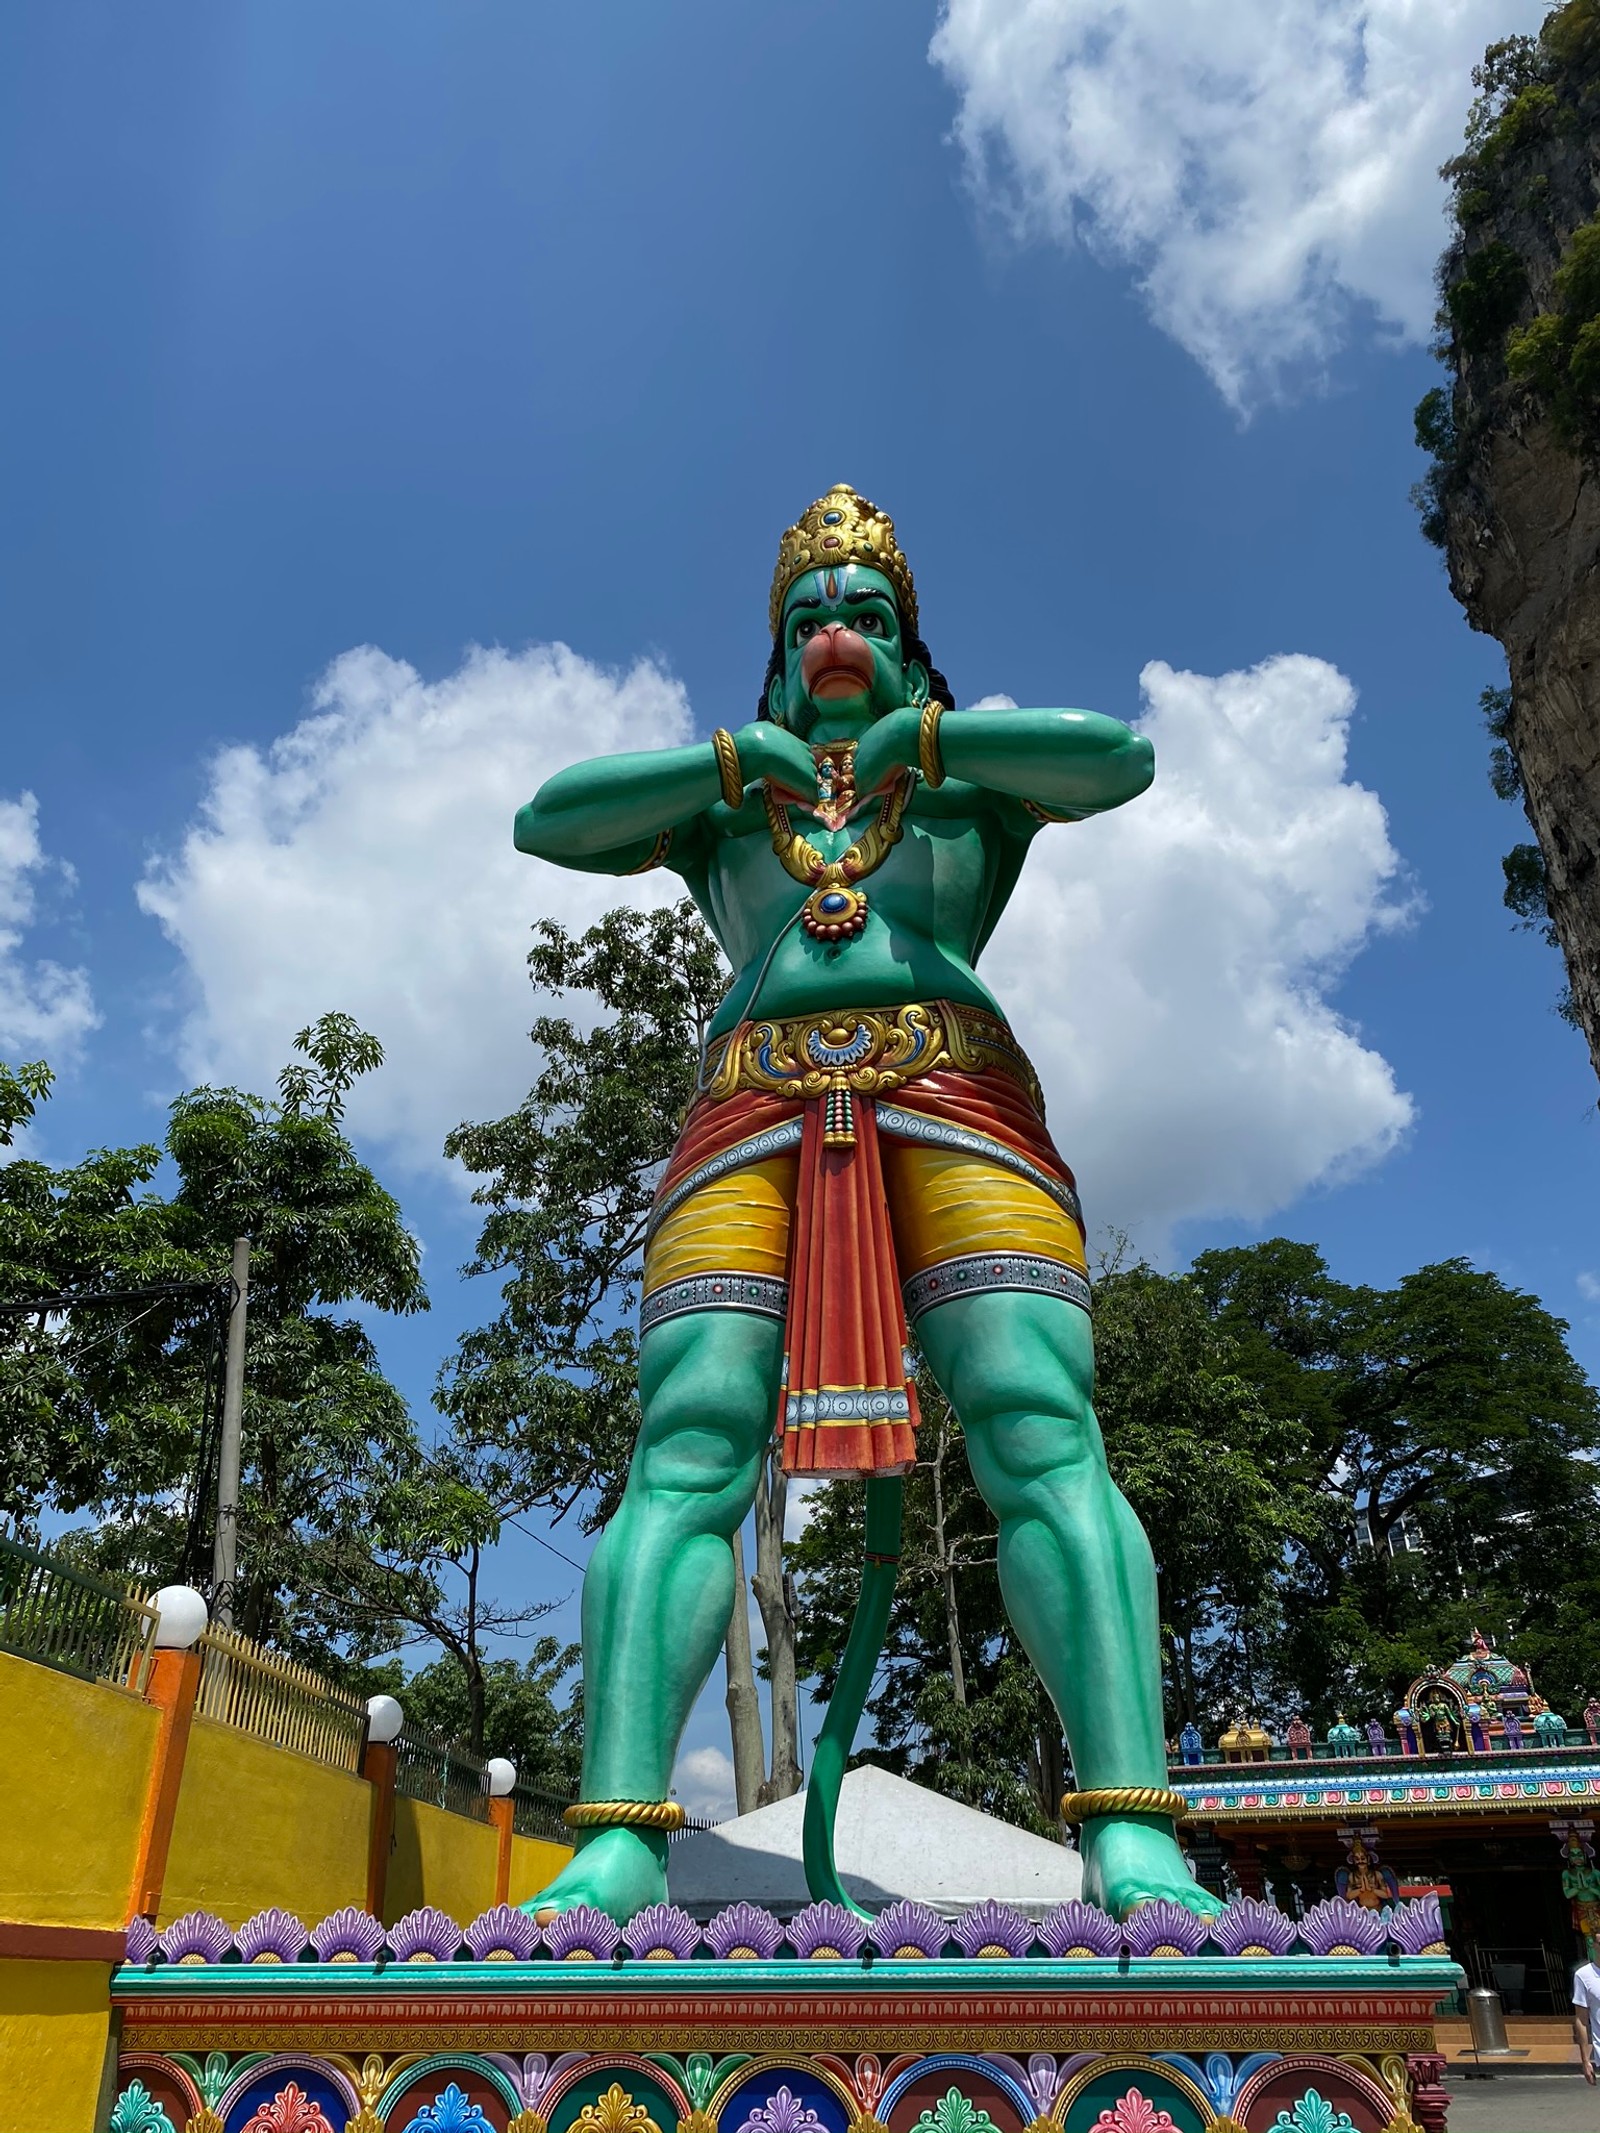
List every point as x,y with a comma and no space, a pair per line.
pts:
891,1839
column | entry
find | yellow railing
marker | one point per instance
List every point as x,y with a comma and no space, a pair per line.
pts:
278,1700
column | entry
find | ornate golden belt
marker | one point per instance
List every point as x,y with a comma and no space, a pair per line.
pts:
867,1050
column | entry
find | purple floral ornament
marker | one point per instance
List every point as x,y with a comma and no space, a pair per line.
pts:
348,1936
1078,1930
993,1930
826,1933
424,1935
196,1937
1164,1928
1338,1927
783,2112
582,1935
1250,1927
502,1935
272,1936
661,1933
908,1932
141,1941
744,1933
1417,1928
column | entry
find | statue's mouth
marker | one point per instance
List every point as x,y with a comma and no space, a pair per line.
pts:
837,663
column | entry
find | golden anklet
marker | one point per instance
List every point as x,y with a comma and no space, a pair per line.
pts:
1124,1800
625,1814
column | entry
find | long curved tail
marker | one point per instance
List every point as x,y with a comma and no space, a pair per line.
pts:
865,1642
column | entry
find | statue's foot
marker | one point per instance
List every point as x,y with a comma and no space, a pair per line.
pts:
1134,1859
618,1871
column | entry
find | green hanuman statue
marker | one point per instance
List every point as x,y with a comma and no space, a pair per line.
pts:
865,1157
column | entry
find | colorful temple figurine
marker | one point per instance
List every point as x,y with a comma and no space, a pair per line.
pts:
1246,1741
1377,1742
1405,1724
1297,1739
1591,1720
1364,1881
1441,1734
1550,1728
866,1154
1190,1745
1343,1739
1477,1728
1511,1726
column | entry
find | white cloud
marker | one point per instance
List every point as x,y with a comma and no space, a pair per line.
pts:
1266,167
1589,1287
1168,966
44,1010
703,1782
364,862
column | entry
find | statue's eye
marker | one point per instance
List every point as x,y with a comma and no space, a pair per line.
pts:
870,625
803,630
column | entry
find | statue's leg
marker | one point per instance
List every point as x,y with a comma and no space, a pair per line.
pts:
659,1587
1075,1567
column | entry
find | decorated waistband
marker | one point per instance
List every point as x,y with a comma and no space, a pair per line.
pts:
867,1050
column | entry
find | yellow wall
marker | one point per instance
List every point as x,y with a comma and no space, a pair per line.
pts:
77,1771
440,1858
259,1825
55,2027
533,1864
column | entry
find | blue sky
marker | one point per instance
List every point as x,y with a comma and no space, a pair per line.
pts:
435,327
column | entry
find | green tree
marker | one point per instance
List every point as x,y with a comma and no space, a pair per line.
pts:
1453,1436
529,1711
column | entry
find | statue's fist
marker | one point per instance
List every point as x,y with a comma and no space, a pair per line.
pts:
771,751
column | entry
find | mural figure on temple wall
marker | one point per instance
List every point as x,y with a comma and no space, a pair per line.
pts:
866,1160
1363,1880
1297,1739
1376,1741
1512,1726
1591,1720
1190,1745
1405,1724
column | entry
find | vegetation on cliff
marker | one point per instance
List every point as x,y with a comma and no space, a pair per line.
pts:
1510,494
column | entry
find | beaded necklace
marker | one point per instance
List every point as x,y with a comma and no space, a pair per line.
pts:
836,910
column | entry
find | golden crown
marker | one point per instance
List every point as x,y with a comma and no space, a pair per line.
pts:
841,528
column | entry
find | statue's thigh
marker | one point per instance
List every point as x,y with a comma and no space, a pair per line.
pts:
1019,1371
708,1387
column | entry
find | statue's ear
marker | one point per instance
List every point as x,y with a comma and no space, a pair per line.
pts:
918,682
777,692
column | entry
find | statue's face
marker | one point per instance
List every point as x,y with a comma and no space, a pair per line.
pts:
843,652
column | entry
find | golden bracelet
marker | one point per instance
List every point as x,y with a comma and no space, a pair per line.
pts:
929,758
625,1814
726,751
1124,1800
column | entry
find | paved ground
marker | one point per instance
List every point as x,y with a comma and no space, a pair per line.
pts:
1524,2103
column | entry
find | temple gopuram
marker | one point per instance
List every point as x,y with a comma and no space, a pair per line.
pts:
1472,1790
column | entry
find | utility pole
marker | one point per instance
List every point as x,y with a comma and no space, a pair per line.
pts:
225,1556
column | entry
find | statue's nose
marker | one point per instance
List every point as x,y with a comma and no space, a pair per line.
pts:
836,650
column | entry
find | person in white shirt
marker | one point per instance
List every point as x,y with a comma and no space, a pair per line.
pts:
1586,2017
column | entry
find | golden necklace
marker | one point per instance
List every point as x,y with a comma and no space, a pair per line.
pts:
836,910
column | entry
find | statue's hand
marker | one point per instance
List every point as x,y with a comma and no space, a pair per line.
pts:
771,751
886,748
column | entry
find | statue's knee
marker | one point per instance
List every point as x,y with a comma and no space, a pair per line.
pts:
1043,1445
706,1422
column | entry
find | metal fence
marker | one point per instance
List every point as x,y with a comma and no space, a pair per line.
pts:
278,1700
440,1771
536,1813
72,1621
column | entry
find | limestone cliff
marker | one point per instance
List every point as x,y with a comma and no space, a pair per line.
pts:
1513,496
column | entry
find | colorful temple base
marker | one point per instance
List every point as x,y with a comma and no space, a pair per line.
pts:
1199,2044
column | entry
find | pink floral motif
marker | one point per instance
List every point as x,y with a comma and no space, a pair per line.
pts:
1135,2114
290,2111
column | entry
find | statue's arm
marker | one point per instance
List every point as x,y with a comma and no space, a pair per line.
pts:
1071,763
605,816
610,815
